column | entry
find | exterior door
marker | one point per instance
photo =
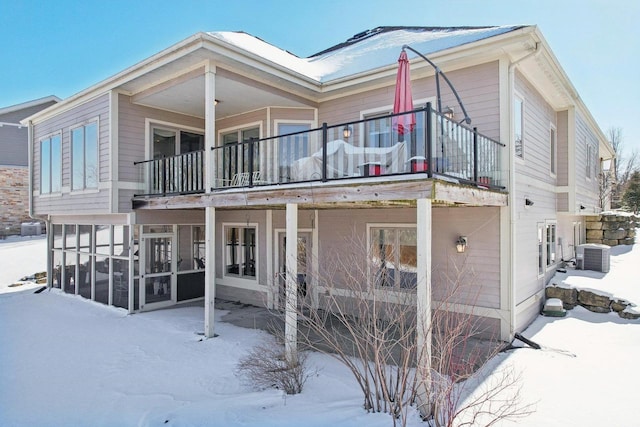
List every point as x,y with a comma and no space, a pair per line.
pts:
158,278
304,266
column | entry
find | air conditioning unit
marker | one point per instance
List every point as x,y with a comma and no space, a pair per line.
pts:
592,256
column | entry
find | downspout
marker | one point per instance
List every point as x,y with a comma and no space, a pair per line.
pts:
512,191
30,145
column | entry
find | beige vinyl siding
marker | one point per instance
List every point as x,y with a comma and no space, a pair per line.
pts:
283,114
538,115
242,120
562,137
132,119
586,188
79,202
478,87
562,202
339,230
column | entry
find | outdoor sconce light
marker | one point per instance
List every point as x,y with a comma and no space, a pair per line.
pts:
528,202
216,101
346,132
461,244
448,112
582,207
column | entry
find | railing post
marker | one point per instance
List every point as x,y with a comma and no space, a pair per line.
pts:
251,142
164,176
428,139
475,154
324,151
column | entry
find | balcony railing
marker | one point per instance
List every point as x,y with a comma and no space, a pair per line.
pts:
435,146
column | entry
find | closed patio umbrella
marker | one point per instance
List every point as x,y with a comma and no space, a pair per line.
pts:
403,101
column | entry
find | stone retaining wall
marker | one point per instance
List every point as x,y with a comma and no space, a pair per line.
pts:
14,199
612,229
595,301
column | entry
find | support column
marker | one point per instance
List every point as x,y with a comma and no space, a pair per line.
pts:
423,318
209,126
291,317
210,271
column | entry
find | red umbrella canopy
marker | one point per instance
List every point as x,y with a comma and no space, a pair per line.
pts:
403,101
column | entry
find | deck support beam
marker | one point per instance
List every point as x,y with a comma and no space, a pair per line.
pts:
291,305
423,319
210,272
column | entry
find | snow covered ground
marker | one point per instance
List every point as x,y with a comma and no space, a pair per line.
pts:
66,361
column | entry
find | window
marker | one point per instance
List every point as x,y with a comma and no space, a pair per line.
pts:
589,160
541,263
291,148
394,257
551,244
170,142
518,126
240,252
50,165
379,133
236,156
552,150
84,157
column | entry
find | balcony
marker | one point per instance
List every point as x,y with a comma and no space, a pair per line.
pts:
437,147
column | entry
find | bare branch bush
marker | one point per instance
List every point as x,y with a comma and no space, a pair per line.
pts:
463,390
266,366
365,317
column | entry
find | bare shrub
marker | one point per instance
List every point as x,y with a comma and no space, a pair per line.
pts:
266,366
365,316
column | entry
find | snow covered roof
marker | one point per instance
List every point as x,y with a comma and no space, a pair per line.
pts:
364,51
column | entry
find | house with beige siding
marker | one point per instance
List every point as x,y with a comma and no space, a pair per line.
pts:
211,168
14,164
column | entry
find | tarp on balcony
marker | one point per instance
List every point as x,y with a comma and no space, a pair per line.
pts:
345,160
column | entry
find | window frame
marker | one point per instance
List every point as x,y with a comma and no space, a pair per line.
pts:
550,224
589,158
151,124
222,170
309,148
240,276
73,156
371,279
49,138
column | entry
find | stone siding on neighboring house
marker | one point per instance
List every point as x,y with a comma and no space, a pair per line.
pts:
14,199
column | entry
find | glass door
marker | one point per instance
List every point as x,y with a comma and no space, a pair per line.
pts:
158,279
304,266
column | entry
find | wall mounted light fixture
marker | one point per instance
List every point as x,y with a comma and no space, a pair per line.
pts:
346,132
528,201
461,244
582,207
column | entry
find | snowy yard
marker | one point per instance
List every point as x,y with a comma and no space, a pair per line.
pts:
66,361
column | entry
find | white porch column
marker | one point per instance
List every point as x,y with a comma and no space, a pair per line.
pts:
209,271
423,332
291,317
209,126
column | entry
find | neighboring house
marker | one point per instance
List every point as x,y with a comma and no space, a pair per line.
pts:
14,163
194,172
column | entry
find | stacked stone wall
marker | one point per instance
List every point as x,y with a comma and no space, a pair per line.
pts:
14,199
612,229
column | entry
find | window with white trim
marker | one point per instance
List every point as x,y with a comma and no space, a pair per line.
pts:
518,125
240,251
84,157
51,165
590,157
394,257
237,152
541,242
550,233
